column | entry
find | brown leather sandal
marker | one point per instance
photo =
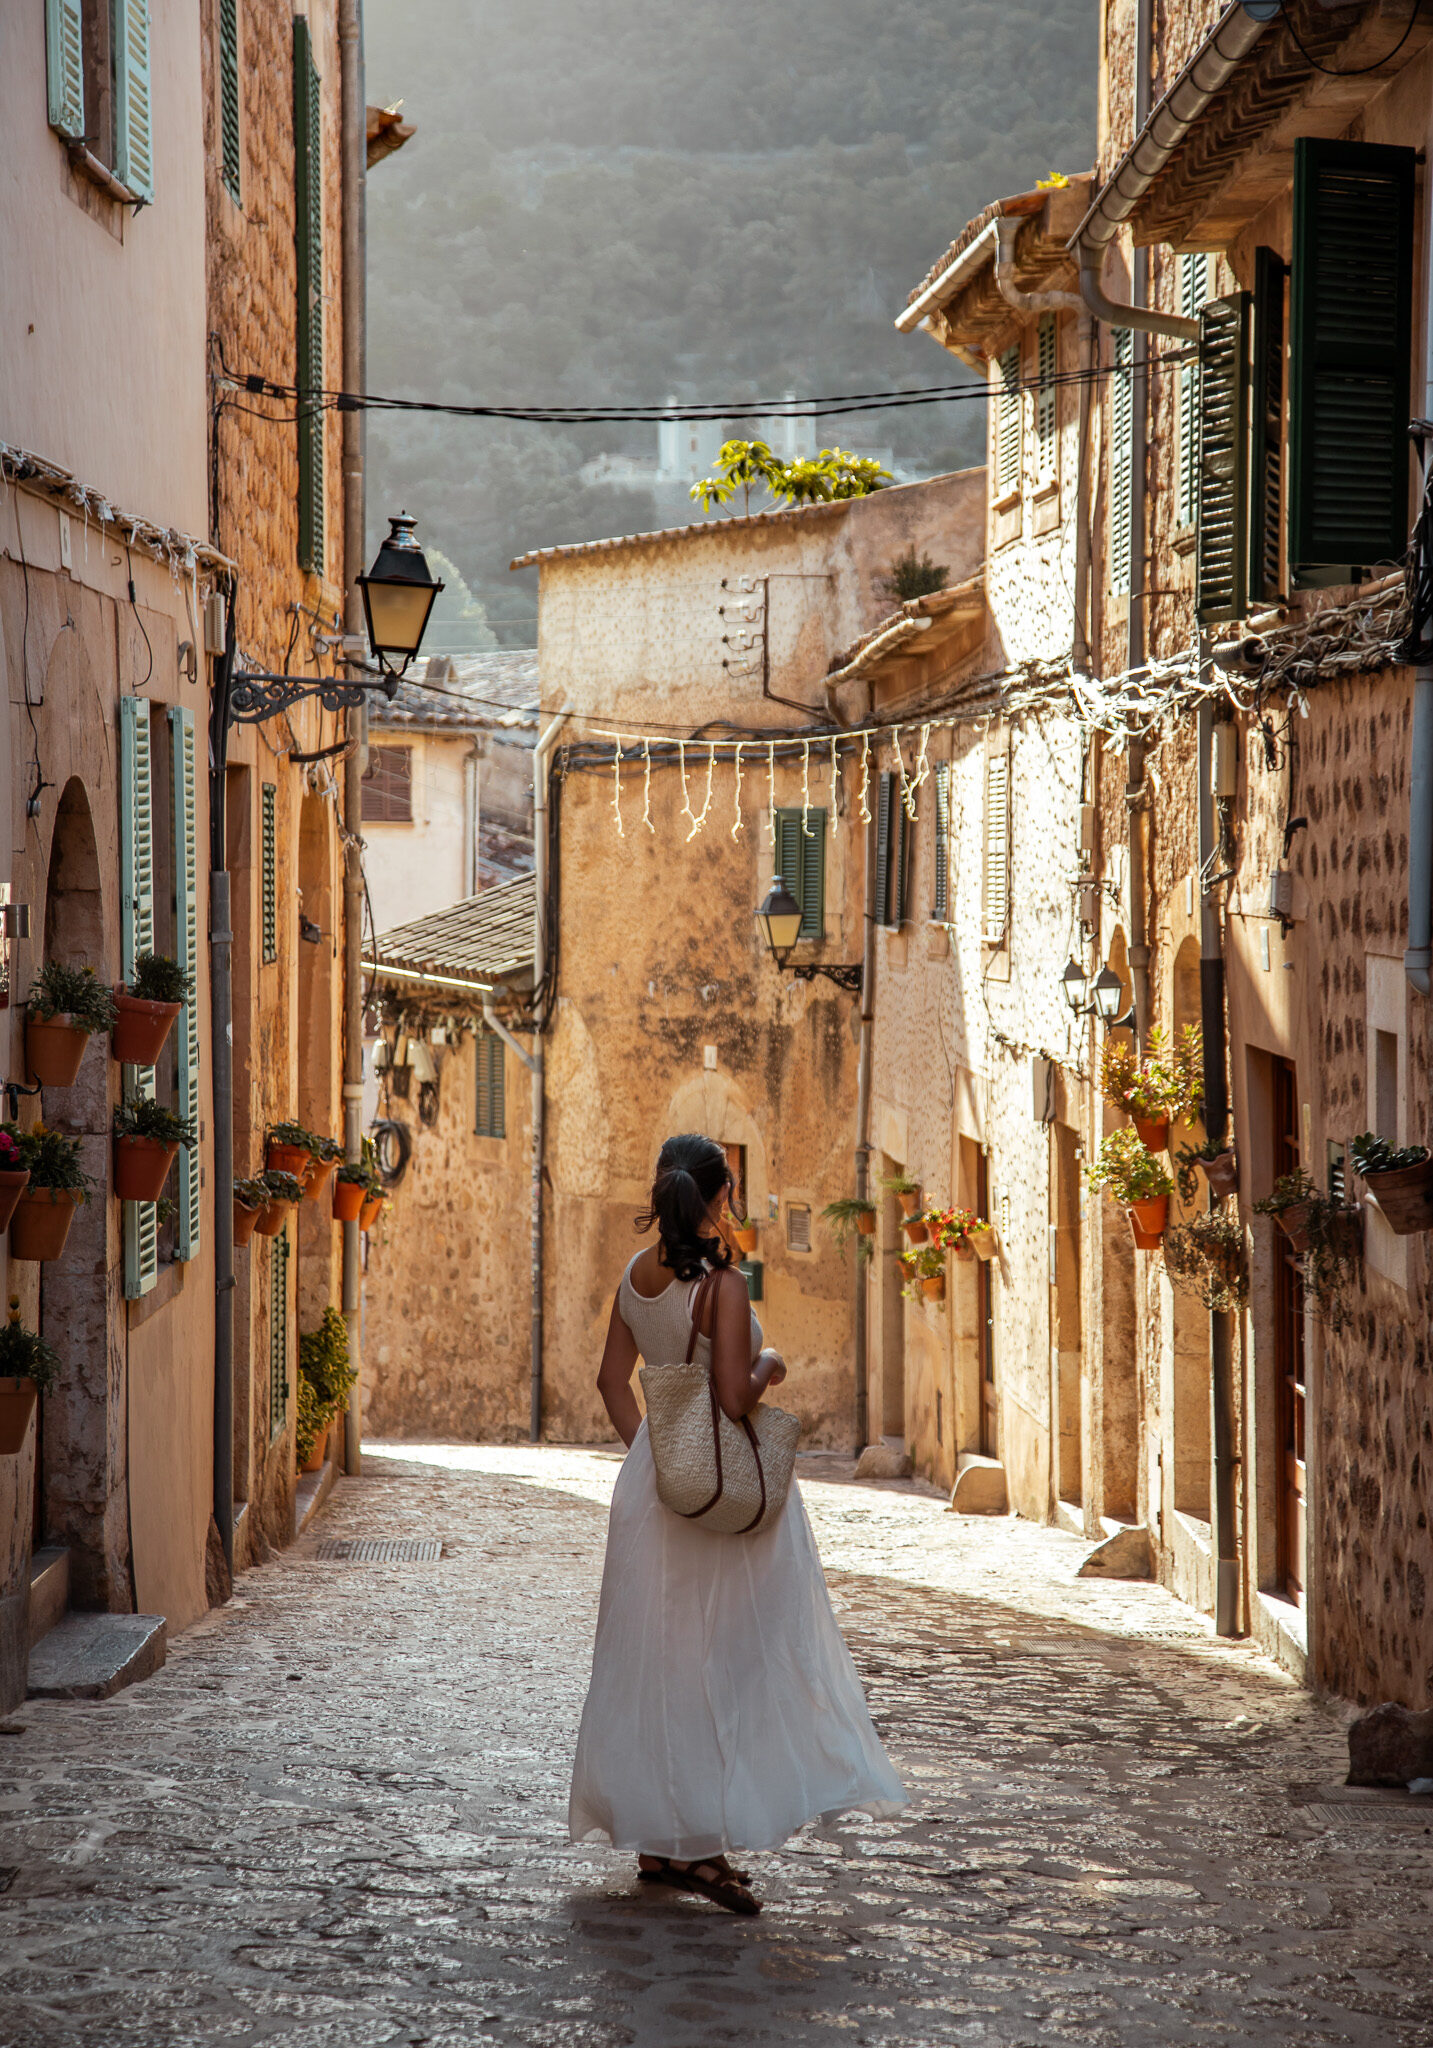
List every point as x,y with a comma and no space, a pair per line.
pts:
724,1887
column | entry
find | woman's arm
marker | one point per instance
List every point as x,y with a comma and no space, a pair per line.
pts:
739,1384
614,1376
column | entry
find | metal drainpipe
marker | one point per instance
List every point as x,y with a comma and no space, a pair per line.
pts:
1216,1118
354,150
863,1137
221,1053
540,757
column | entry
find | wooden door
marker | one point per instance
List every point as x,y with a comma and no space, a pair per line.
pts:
1289,1352
985,1321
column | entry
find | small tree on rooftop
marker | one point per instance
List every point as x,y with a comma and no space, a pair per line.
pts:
913,576
813,480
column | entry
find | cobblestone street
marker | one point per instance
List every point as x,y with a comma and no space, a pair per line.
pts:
337,1815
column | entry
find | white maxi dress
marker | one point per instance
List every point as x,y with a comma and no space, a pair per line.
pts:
724,1710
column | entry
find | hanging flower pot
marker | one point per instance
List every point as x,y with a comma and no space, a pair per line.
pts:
963,1250
284,1192
1147,1220
314,1461
245,1222
54,1048
982,1242
1404,1195
12,1186
320,1174
909,1199
1294,1222
1222,1173
348,1199
745,1235
42,1220
272,1218
284,1158
141,1029
933,1286
915,1229
866,1222
141,1167
372,1208
1153,1132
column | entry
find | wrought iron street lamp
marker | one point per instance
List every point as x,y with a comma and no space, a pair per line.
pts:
779,916
1098,998
1108,993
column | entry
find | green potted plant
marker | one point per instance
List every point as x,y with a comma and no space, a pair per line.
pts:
1399,1179
1137,1181
925,1274
1208,1257
1332,1257
24,1355
1290,1203
951,1229
1166,1084
848,1213
147,1137
906,1191
1220,1166
326,1378
57,1186
146,1007
324,1155
66,1006
350,1186
283,1191
251,1198
288,1148
14,1177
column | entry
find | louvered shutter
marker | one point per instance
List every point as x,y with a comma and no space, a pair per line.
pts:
308,236
490,1120
941,911
231,149
1266,420
884,788
186,929
1007,424
801,863
788,855
65,65
278,1333
1351,334
136,924
269,871
995,893
133,114
900,866
1223,458
1047,394
1121,459
1193,291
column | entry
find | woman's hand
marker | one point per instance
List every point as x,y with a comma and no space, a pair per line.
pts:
774,1365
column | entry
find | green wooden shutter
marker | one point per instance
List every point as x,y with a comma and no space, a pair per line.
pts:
269,871
941,911
133,115
1121,459
65,65
1047,394
788,857
278,1333
1351,335
1193,291
136,930
900,862
1223,458
231,148
482,1094
1266,421
883,847
186,928
801,863
491,1118
1007,423
308,236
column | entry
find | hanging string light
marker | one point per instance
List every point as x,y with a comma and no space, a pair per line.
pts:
771,789
865,777
835,776
736,823
805,787
697,823
647,786
617,788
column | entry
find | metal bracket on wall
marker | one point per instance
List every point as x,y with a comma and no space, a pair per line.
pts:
13,1091
845,977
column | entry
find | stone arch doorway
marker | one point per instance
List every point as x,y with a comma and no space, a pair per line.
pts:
83,1459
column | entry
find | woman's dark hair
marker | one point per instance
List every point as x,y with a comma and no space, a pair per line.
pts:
690,1171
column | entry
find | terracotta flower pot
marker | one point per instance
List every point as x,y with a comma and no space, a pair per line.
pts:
140,1028
245,1221
982,1242
41,1222
1153,1133
745,1235
1222,1173
271,1220
372,1208
348,1198
320,1174
294,1159
963,1250
54,1047
909,1203
1147,1220
141,1167
933,1287
12,1186
314,1461
1294,1222
1405,1196
915,1230
866,1222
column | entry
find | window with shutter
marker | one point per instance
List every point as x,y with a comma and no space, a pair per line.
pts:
183,785
136,936
1223,454
1121,460
308,237
802,858
941,911
1193,291
65,64
269,871
1008,422
995,893
491,1121
133,115
231,150
1350,354
1047,396
1266,448
278,1333
891,848
387,786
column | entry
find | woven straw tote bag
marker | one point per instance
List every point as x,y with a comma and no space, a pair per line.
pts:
730,1477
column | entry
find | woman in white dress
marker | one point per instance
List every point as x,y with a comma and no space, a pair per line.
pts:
724,1710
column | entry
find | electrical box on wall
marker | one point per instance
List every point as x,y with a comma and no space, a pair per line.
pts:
1281,893
1224,761
216,622
750,1271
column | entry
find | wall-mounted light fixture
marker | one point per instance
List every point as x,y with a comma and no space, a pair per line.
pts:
779,916
1100,997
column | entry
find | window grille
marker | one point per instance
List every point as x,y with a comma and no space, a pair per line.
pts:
1121,460
308,239
1047,396
388,786
269,872
1008,422
801,856
491,1118
278,1333
1193,291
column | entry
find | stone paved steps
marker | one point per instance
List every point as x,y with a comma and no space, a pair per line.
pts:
91,1656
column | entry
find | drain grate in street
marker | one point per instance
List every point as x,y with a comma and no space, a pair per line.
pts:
380,1550
1411,1816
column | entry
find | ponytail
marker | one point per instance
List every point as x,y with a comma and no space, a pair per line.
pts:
691,1171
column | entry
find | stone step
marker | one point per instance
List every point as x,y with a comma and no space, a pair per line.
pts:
49,1589
1069,1515
90,1656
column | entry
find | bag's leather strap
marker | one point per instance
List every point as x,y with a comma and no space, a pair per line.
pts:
703,1287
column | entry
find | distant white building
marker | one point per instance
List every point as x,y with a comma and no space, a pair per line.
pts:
688,449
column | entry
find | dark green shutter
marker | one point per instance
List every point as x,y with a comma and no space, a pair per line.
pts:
883,847
184,785
1223,457
900,866
1351,335
490,1120
308,237
136,927
941,911
788,857
230,153
1266,421
269,872
801,859
278,1332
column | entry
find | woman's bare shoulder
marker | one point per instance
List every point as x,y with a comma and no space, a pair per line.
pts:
647,1275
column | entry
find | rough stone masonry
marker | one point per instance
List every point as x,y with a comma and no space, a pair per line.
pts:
337,1815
